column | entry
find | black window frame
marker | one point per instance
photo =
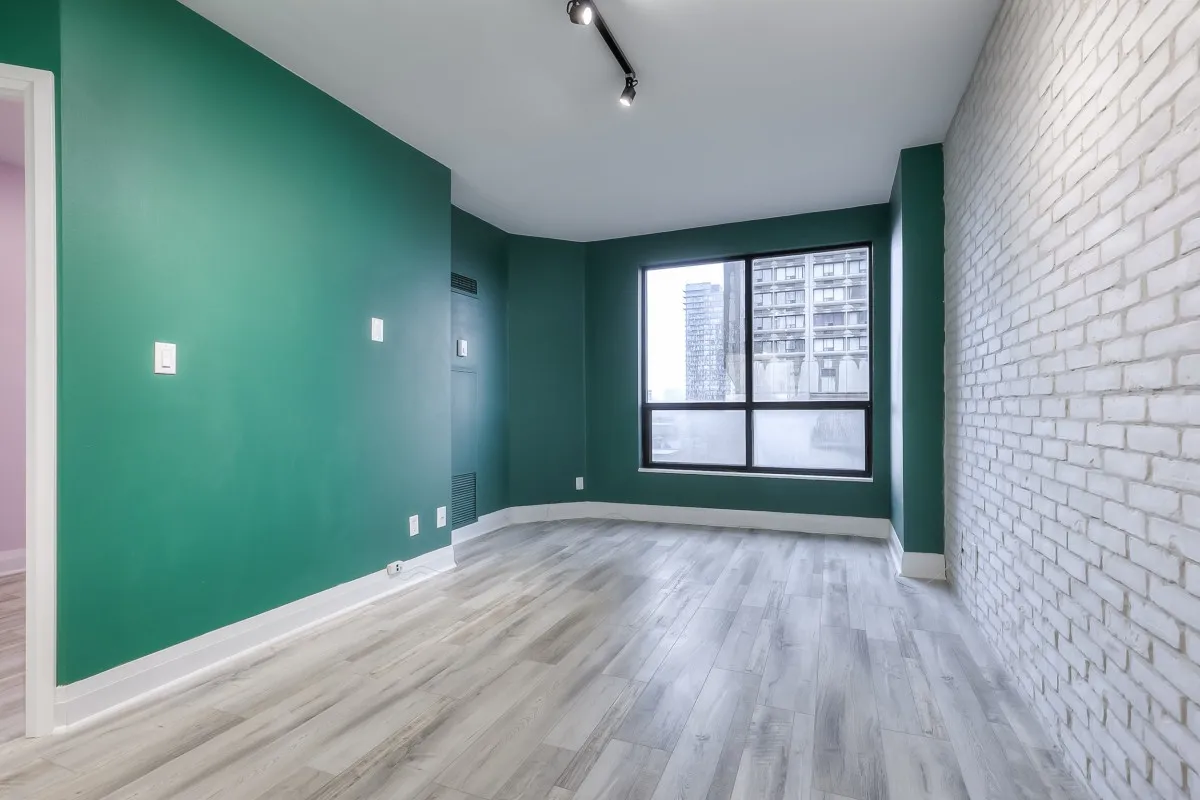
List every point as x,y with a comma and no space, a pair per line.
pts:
750,405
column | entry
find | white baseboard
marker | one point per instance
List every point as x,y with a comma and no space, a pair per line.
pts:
485,524
12,562
682,515
195,660
930,566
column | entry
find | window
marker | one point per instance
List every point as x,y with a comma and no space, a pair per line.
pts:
721,394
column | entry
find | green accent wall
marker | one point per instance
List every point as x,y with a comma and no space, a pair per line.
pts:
29,34
547,411
918,220
613,455
212,199
480,251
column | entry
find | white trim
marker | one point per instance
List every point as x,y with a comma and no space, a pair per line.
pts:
868,527
35,88
771,475
485,524
195,660
11,562
928,566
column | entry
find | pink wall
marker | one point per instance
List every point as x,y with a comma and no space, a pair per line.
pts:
12,357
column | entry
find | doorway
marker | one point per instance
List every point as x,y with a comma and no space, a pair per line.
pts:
12,418
28,400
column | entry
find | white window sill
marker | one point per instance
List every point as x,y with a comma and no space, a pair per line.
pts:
662,471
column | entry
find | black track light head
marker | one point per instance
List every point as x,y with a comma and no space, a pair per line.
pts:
630,91
581,12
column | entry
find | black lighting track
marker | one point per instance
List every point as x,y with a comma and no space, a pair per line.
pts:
584,12
613,47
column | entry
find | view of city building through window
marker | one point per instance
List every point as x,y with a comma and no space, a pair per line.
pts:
809,336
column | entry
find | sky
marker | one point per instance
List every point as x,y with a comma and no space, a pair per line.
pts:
665,337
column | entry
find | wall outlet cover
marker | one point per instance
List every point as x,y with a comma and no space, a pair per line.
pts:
376,329
414,525
441,517
579,484
461,348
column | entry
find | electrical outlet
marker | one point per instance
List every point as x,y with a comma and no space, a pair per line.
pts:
414,525
395,568
579,484
441,516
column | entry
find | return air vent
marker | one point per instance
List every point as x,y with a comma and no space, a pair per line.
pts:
462,500
461,283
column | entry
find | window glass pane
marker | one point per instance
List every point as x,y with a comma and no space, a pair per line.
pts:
696,333
698,437
836,322
811,439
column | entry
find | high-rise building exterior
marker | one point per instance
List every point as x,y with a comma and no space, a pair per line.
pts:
811,322
704,325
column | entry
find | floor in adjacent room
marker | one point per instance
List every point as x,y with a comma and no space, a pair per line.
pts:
595,659
12,657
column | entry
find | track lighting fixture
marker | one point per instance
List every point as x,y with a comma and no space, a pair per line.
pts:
584,12
630,92
581,12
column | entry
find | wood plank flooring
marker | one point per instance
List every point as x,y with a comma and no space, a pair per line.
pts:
594,660
12,657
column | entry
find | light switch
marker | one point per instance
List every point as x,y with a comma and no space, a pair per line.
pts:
462,348
441,516
414,525
376,329
579,484
164,358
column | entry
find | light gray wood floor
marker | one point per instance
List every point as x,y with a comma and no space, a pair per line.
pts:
589,660
12,657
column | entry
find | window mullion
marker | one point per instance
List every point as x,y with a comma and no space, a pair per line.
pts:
748,332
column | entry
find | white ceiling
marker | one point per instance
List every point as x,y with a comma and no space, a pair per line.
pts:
12,131
745,108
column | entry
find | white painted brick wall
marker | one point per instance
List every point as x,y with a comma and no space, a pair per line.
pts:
1073,377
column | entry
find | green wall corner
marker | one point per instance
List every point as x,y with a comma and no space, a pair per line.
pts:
547,409
480,251
918,218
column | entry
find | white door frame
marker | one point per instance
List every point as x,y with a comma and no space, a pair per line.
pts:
35,88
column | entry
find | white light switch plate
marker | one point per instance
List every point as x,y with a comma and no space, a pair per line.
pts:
461,346
579,484
441,516
414,525
164,358
376,329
